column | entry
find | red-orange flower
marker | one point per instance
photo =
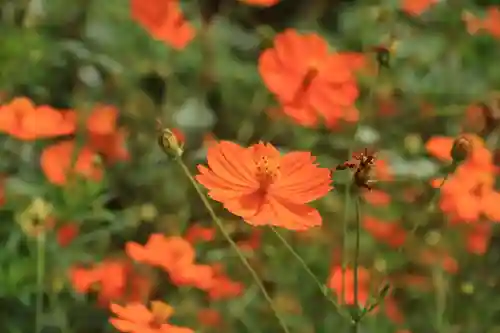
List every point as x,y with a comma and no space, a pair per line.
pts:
310,82
390,233
114,279
164,20
169,253
25,121
416,7
263,3
336,282
490,23
104,135
67,233
56,163
264,187
137,318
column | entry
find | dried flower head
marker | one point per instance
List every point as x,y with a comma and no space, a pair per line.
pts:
169,142
363,165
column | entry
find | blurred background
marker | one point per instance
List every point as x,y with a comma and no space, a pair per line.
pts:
86,81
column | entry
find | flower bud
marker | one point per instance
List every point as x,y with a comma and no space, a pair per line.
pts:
169,143
461,149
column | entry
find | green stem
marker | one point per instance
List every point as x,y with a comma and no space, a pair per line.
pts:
324,289
40,274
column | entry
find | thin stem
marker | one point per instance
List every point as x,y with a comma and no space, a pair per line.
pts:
40,275
324,289
235,247
356,253
347,201
357,245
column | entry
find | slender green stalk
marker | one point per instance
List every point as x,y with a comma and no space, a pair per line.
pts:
357,245
324,289
235,247
40,277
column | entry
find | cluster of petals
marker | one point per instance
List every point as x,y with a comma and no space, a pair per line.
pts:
23,120
176,256
468,195
311,83
387,232
342,283
164,21
490,23
416,7
113,279
264,187
135,317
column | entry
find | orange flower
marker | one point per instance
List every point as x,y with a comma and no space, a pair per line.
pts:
490,23
23,120
66,234
309,81
390,233
169,253
137,318
104,136
56,163
416,7
477,237
263,3
210,318
377,198
198,233
114,279
263,187
222,287
335,283
163,19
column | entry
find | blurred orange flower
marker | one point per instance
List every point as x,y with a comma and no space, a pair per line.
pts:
115,280
309,81
390,233
137,318
469,192
104,135
416,7
164,20
197,233
261,2
490,23
23,120
56,163
263,187
169,253
66,234
336,280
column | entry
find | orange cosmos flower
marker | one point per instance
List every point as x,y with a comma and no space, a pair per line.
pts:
263,187
263,3
23,120
104,135
163,19
336,282
416,7
56,162
169,253
490,23
309,81
137,318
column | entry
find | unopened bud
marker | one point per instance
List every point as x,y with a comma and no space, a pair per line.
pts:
169,143
461,149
